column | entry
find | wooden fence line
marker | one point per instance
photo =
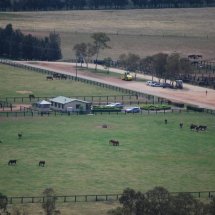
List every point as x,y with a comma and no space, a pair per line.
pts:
33,113
92,198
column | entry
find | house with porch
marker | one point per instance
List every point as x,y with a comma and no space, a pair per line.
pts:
65,104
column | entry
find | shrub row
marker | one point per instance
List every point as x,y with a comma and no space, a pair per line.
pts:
155,107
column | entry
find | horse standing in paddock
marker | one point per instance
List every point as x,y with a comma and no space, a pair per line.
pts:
12,162
114,142
165,121
31,96
49,77
192,126
203,127
181,125
42,163
19,135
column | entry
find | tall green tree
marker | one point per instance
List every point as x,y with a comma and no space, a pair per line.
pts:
49,204
100,41
160,61
173,67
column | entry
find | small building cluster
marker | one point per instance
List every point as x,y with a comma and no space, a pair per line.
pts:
63,104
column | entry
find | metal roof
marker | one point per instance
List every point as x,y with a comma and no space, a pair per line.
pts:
43,102
65,100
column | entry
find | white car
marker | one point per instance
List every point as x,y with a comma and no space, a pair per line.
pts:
132,110
117,105
150,83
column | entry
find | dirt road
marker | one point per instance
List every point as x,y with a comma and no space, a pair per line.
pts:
190,94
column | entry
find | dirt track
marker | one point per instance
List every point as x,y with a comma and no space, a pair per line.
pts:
190,94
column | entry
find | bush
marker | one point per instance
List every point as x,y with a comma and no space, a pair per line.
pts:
105,109
195,108
155,107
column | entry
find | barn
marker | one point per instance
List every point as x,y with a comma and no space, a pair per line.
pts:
65,104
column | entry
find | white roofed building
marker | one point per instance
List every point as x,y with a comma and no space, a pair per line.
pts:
66,104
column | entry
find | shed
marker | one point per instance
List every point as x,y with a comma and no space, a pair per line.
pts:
43,106
65,104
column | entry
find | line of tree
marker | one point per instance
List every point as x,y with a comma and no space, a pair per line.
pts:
159,201
16,45
26,5
161,65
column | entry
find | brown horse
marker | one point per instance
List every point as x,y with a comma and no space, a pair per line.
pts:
114,142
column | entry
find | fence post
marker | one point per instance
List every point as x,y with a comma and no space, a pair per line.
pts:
64,199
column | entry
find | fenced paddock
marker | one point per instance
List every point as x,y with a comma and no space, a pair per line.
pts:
146,97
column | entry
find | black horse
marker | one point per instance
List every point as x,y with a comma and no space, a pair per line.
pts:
31,96
12,162
42,163
114,142
19,135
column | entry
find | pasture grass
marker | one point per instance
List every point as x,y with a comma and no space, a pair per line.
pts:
144,32
19,82
81,161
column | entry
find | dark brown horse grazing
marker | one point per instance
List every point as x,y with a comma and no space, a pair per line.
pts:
42,163
114,142
12,162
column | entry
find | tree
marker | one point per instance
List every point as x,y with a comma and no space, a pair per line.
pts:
80,52
49,203
130,62
147,65
107,63
173,66
100,42
54,51
160,61
90,52
3,203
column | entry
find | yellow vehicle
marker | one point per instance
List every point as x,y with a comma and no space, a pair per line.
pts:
127,76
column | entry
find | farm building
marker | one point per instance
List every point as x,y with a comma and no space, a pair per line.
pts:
43,106
66,104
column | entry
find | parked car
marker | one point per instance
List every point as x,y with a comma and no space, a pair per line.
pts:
156,85
117,105
149,83
166,85
132,110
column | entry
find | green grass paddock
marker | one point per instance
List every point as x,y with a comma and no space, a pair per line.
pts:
13,81
81,161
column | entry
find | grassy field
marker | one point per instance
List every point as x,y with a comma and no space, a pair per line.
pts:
144,32
80,160
18,82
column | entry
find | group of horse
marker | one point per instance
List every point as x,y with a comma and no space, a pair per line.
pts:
13,163
56,76
193,127
198,127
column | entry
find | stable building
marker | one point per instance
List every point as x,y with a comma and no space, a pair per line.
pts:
65,104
